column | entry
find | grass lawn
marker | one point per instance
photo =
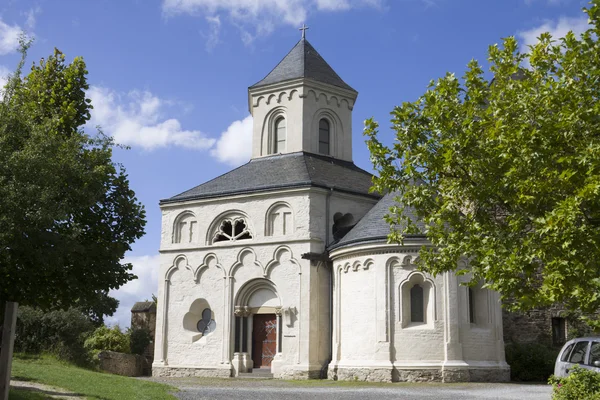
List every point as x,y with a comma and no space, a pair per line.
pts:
94,385
25,395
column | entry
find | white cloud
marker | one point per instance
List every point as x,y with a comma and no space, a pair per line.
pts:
212,38
136,119
260,17
4,72
557,29
31,17
234,147
140,289
9,37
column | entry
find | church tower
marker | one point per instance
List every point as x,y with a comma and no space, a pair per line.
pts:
302,105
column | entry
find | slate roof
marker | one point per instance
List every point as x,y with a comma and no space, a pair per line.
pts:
303,61
281,172
372,227
142,306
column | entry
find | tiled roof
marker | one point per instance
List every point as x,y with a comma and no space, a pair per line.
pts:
142,306
303,61
372,227
284,171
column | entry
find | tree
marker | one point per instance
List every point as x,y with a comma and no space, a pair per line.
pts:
505,174
67,214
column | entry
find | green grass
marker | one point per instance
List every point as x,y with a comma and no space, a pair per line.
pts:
25,395
94,385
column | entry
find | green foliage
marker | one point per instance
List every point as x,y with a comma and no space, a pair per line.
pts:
139,339
505,174
532,362
88,383
58,332
105,338
580,384
67,214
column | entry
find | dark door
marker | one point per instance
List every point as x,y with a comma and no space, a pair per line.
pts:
264,340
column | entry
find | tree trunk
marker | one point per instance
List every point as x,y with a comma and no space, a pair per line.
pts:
6,352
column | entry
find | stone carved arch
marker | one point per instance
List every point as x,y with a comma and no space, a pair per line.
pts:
346,266
270,98
246,256
234,217
210,261
257,294
429,299
281,254
268,128
410,262
185,227
335,129
179,262
279,219
347,104
280,96
331,100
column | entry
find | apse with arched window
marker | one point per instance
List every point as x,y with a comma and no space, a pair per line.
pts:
324,136
279,136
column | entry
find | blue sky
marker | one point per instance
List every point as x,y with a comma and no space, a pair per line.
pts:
169,78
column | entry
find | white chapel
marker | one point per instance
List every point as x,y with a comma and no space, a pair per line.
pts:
282,265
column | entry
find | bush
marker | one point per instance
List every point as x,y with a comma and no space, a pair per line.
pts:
530,362
139,339
105,338
61,332
580,384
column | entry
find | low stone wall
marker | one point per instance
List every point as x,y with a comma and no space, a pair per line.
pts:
122,364
489,374
446,375
365,374
179,372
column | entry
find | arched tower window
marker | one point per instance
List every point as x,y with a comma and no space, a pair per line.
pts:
279,136
416,304
324,134
417,297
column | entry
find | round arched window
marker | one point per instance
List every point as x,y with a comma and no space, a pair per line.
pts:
324,136
279,137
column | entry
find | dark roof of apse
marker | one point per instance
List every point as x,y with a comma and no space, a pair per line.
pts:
373,228
284,171
303,61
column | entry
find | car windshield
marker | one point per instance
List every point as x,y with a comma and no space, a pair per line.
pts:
565,354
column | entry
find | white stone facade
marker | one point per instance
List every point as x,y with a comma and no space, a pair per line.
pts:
258,276
371,293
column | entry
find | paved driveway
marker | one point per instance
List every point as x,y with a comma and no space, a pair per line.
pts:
199,388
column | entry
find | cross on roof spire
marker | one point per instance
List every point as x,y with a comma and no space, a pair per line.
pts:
303,29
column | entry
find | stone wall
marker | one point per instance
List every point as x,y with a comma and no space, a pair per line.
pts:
179,372
122,364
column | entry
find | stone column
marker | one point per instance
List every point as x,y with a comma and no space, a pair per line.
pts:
455,368
160,339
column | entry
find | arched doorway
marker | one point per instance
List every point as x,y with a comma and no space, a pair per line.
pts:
257,324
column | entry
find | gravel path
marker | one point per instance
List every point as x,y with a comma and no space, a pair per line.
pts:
49,391
246,389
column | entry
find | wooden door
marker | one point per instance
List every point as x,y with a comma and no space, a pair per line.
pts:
264,339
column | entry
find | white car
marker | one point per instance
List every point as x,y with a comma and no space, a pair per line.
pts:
584,352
